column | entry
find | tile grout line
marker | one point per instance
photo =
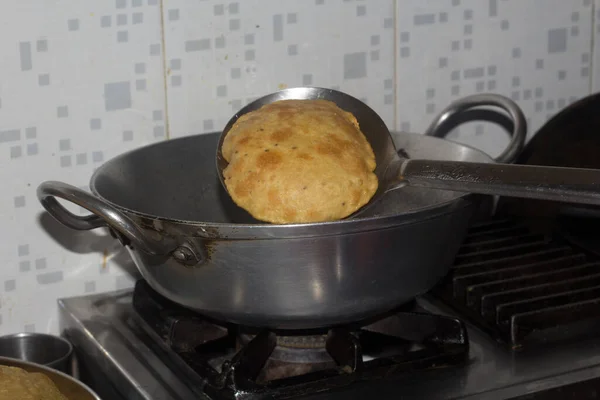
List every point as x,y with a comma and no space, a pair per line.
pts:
592,49
395,65
165,71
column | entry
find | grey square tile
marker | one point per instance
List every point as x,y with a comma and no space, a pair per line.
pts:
19,201
44,79
140,85
97,156
62,111
73,24
42,46
155,49
122,36
32,149
173,15
10,285
65,161
175,64
64,144
355,65
557,40
234,24
562,74
159,131
121,19
117,95
140,68
81,159
137,18
105,21
24,266
539,64
16,152
23,250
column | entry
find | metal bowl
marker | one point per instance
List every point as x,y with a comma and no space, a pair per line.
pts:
40,348
71,388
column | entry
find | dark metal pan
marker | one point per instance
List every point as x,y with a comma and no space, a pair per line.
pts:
571,138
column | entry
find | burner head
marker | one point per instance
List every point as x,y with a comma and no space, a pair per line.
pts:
299,349
293,355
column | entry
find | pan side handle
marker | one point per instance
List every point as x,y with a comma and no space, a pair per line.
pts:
469,109
103,214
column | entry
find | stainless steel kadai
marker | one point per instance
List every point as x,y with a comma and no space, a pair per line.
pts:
70,387
196,247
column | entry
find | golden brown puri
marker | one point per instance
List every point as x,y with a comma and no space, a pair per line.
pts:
299,161
16,383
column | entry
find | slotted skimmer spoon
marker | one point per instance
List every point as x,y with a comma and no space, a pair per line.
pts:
395,169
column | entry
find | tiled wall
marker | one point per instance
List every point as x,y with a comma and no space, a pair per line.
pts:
82,81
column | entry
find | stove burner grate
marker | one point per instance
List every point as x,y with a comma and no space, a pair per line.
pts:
524,286
217,363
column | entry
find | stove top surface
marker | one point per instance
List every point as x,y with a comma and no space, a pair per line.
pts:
228,361
515,319
104,332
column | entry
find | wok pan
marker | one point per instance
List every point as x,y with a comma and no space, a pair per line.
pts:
197,248
571,138
71,388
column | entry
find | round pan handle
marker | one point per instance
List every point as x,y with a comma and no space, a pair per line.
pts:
103,214
461,111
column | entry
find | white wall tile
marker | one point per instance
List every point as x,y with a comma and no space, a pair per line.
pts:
407,58
221,55
595,58
535,51
68,102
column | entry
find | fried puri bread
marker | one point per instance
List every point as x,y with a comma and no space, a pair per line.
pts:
16,383
299,161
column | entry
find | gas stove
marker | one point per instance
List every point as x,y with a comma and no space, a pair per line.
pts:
517,317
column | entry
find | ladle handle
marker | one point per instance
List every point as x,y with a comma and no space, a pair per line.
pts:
571,185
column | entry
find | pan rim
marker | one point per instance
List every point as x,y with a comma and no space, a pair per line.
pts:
267,230
11,361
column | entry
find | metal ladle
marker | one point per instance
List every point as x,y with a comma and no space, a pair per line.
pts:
395,170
